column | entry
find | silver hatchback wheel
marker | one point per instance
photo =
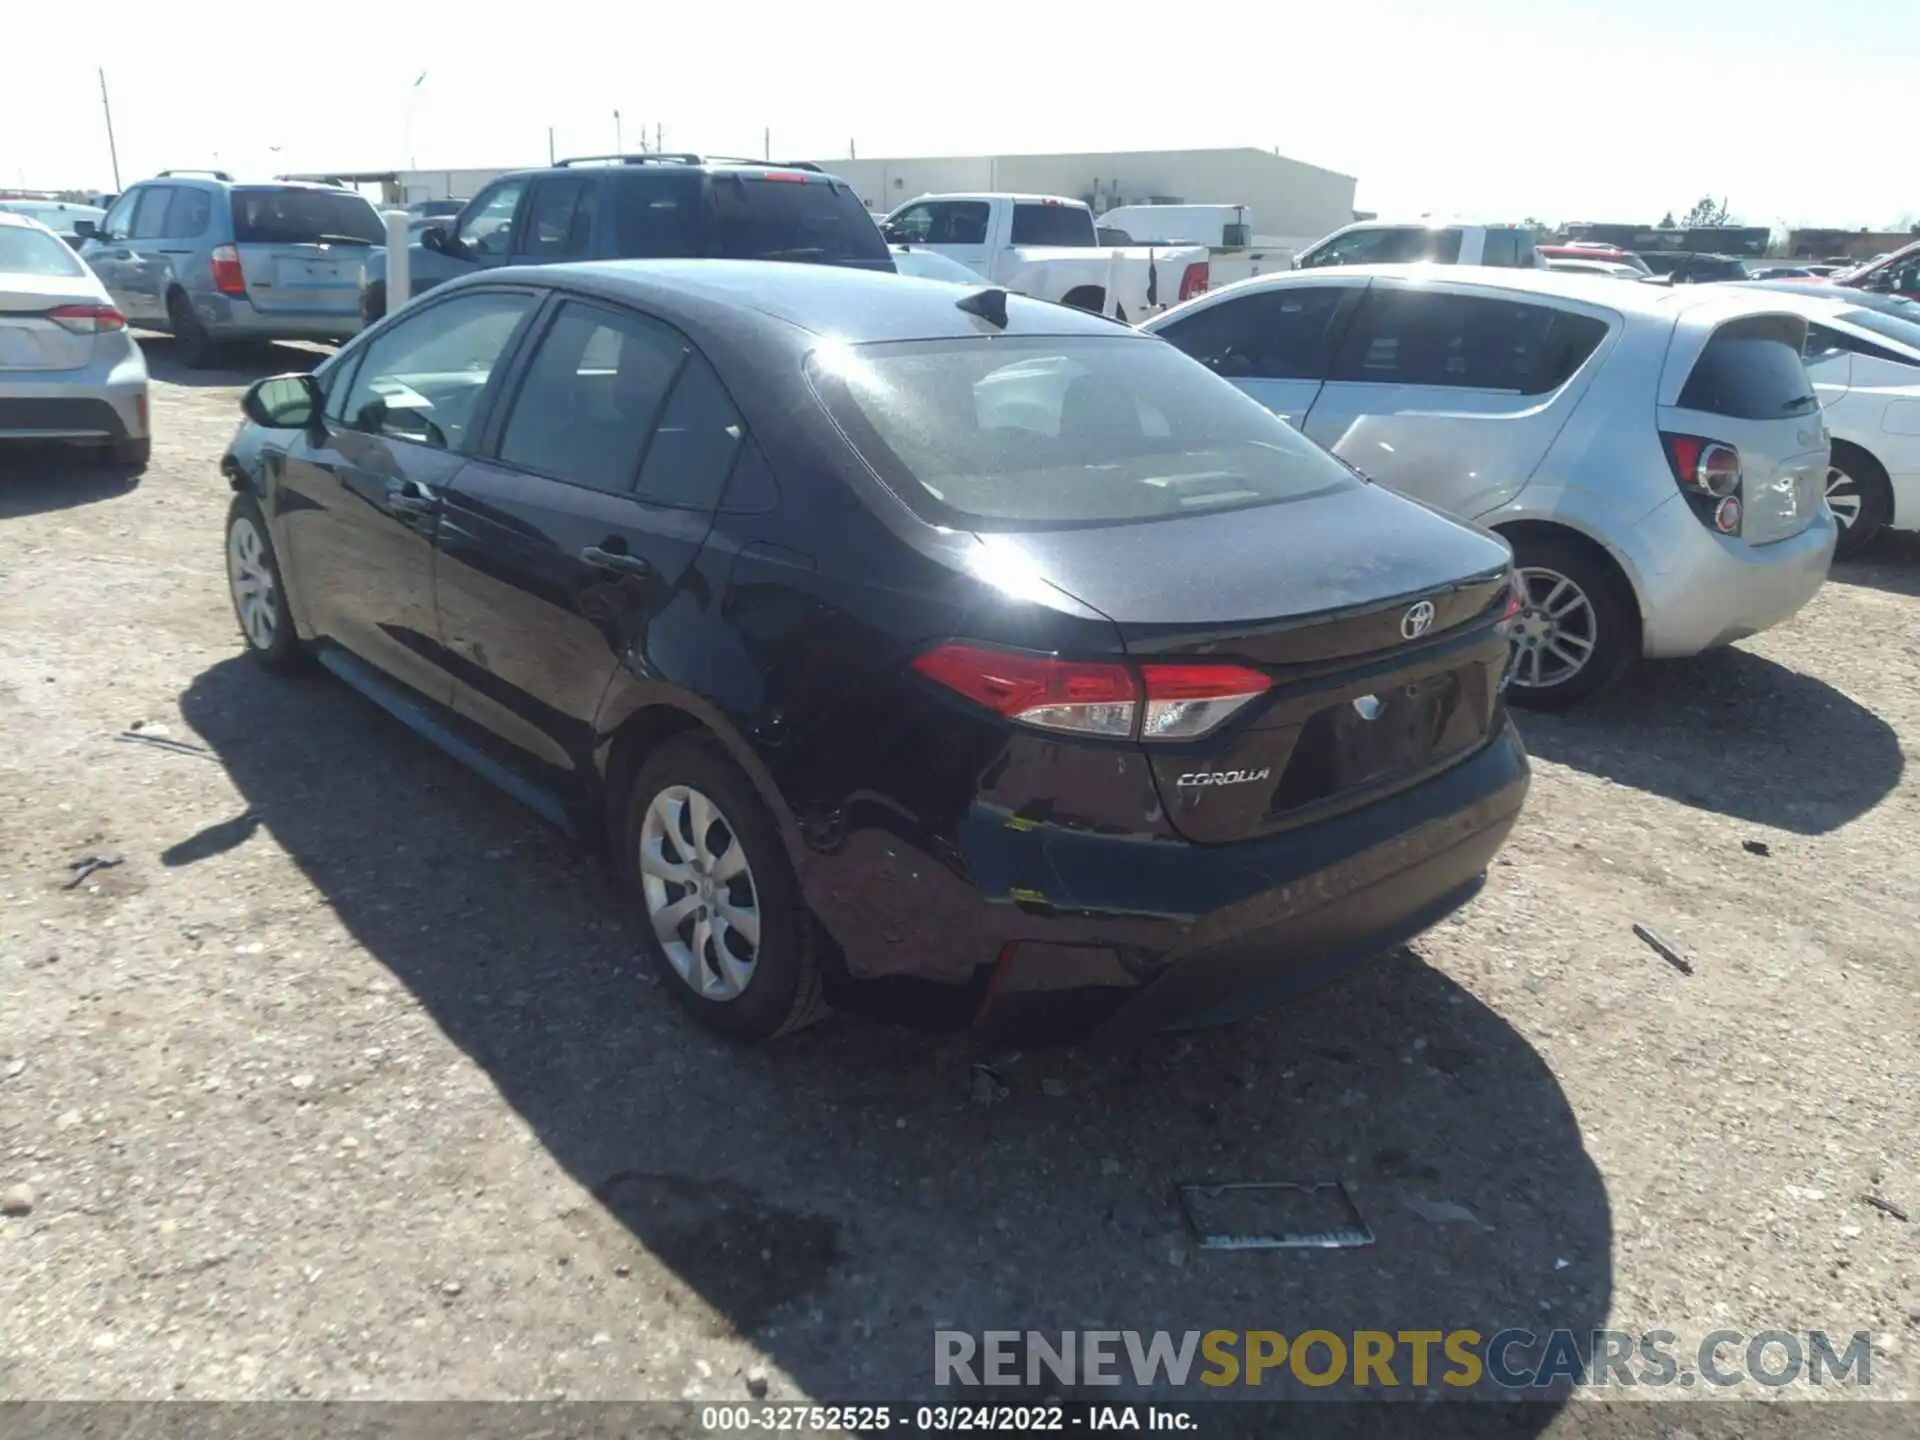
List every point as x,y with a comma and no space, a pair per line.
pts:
1555,633
1843,497
699,892
256,600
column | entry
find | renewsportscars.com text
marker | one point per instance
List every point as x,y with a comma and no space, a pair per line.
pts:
1512,1359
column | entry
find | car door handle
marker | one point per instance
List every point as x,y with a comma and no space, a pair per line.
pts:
615,560
176,252
412,499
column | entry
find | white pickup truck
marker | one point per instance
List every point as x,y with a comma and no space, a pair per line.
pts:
1046,247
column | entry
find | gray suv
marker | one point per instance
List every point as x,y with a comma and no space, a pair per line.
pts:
210,261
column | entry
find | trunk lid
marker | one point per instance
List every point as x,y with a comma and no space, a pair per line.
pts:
1372,618
30,341
301,248
1744,384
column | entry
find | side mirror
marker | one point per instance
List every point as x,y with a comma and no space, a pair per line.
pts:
85,229
434,238
891,234
283,402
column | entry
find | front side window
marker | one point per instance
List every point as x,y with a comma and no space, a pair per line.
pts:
1279,334
119,219
942,222
488,222
560,217
1011,433
1502,248
422,379
1472,342
590,397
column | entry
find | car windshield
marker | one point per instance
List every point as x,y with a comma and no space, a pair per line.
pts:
25,251
1905,329
269,216
1003,433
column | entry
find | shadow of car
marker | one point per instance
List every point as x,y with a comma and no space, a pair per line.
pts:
35,479
1705,731
240,364
845,1183
1892,564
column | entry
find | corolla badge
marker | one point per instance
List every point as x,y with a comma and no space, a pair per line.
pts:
1417,621
1223,777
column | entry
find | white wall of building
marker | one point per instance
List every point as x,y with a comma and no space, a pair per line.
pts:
1285,197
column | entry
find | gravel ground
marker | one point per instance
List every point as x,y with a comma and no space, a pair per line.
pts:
345,1082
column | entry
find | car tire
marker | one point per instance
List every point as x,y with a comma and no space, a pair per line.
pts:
743,986
258,593
1861,498
191,342
1575,598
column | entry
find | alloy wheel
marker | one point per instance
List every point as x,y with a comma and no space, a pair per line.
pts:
1843,497
700,893
255,598
1555,633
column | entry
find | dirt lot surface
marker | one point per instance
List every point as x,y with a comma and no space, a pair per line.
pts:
346,1081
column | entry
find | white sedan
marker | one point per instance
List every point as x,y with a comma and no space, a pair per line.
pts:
931,265
1865,364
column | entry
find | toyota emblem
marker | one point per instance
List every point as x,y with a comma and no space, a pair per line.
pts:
1417,621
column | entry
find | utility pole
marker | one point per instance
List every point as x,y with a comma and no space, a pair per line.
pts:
766,143
618,147
850,154
550,159
113,150
658,132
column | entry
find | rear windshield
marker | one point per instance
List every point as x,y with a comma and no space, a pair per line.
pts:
34,252
996,433
1067,225
266,216
1752,370
816,220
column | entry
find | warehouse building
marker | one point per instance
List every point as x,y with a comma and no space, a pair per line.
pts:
1288,201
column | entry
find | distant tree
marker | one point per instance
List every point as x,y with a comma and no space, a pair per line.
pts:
1707,211
1666,221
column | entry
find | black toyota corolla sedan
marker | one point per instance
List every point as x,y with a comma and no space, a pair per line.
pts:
894,631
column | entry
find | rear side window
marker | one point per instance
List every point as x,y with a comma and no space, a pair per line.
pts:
1281,334
150,219
656,217
590,397
34,252
1502,248
560,217
1469,342
264,215
693,447
190,213
1751,370
1053,225
1050,433
758,218
1825,344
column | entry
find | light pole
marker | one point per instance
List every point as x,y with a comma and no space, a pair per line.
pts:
617,148
113,150
406,135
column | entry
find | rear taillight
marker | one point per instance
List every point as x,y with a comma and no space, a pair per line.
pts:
1091,697
228,278
1195,280
1708,473
88,319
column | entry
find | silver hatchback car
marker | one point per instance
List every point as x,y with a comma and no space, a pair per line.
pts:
1656,457
211,261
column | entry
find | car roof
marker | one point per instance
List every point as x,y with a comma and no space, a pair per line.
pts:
1590,289
827,300
23,221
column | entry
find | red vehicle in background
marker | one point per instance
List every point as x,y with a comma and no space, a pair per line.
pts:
1898,274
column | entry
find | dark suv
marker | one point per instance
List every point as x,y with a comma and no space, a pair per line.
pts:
642,207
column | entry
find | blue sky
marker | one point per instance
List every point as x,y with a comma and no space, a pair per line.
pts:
1796,113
